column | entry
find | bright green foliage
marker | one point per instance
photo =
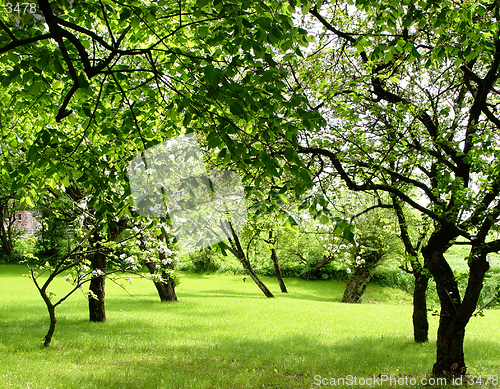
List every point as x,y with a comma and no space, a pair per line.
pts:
408,93
88,86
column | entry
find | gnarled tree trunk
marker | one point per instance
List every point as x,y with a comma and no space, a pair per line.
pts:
455,314
161,287
356,287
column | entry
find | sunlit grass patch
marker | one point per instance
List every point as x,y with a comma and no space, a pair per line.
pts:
223,333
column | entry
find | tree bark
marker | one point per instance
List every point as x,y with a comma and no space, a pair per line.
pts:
274,258
314,272
52,326
238,252
356,287
277,269
419,317
5,232
52,316
454,314
169,289
97,310
248,267
161,287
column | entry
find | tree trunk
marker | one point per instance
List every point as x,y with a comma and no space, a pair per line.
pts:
160,286
167,279
455,314
420,322
5,233
449,352
52,326
238,252
277,269
165,288
97,311
52,316
248,267
171,296
274,258
313,273
356,286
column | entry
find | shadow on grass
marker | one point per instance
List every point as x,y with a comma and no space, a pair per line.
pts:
286,362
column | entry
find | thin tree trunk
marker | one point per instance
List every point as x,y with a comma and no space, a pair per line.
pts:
274,258
52,316
248,267
5,234
238,252
277,269
419,317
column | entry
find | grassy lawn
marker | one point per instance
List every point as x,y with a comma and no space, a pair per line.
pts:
223,333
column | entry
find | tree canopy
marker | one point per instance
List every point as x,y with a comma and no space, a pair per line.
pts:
394,97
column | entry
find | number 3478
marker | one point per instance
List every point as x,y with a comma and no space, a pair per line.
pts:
20,8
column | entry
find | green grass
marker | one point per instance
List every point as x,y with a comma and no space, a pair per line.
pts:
223,333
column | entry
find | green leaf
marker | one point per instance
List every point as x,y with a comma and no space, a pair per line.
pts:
237,109
275,31
348,235
212,75
202,3
28,201
125,14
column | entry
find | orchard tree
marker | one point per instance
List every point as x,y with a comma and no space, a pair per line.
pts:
86,85
374,243
159,257
408,93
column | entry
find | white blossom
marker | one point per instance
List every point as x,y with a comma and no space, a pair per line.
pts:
129,260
